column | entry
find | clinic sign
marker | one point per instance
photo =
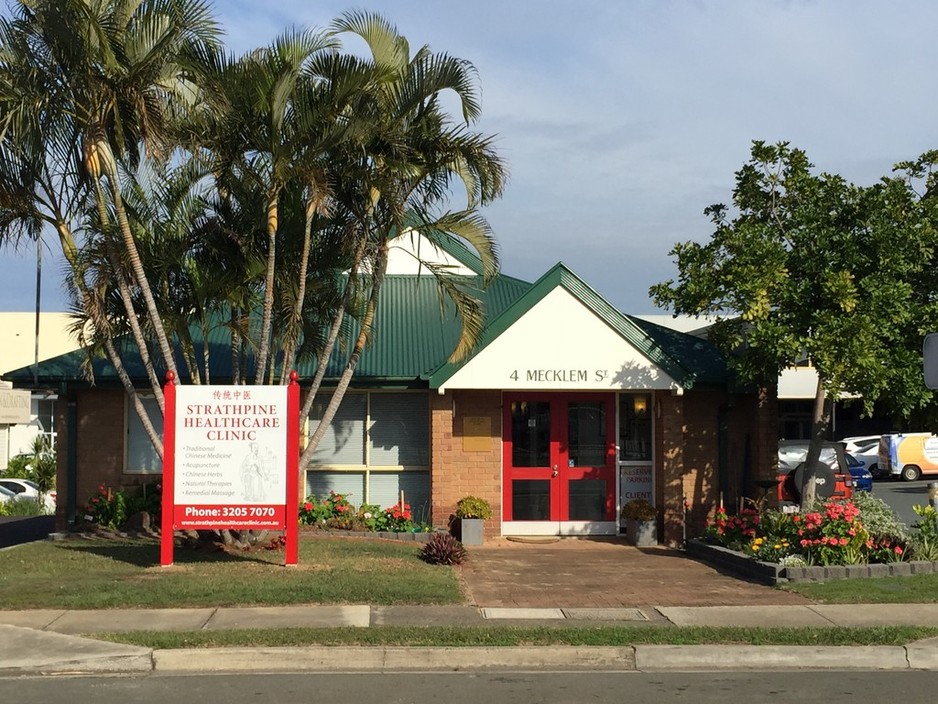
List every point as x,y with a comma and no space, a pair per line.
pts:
230,460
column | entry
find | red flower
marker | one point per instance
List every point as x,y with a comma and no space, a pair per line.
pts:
308,506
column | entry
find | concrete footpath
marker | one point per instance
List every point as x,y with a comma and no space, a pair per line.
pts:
51,641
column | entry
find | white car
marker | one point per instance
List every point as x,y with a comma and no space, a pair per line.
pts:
6,495
27,489
852,444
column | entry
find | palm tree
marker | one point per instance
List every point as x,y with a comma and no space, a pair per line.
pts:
256,112
400,163
108,69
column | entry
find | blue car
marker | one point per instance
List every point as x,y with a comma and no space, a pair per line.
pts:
862,479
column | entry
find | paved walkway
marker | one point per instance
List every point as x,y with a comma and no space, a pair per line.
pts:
603,573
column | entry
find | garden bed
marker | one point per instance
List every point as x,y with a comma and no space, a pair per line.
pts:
772,573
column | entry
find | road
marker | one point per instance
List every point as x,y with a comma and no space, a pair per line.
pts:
902,496
472,688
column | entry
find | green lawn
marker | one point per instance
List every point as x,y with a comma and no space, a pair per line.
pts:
99,574
918,588
511,636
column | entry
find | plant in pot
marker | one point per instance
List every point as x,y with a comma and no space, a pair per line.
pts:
471,512
641,523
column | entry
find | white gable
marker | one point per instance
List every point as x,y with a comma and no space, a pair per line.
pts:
560,344
407,251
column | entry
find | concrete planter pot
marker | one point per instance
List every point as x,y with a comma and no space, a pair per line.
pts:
642,534
469,531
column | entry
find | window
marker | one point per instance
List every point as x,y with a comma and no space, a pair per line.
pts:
141,457
45,415
635,427
377,446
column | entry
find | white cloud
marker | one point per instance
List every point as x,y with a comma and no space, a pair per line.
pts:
621,121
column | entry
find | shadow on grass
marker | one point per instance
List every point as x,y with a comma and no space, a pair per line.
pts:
147,553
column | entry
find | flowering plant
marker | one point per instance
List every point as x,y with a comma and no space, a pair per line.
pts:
834,534
314,511
393,519
734,532
107,507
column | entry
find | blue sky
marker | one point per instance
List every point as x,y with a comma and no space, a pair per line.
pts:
622,121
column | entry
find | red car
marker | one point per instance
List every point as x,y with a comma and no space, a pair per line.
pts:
833,478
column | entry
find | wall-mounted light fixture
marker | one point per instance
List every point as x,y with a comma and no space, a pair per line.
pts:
639,405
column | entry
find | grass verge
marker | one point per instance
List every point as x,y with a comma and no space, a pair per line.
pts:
514,636
99,574
917,588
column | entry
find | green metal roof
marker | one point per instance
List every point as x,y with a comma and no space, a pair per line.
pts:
685,358
412,336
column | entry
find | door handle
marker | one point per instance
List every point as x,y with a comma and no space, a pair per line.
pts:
555,471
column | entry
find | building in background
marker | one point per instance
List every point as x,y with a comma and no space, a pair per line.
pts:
18,349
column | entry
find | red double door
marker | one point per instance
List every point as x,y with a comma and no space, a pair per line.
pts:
559,460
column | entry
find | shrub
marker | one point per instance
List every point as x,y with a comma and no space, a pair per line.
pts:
107,507
443,549
149,498
314,511
21,507
639,510
924,541
473,507
37,466
878,518
733,532
393,519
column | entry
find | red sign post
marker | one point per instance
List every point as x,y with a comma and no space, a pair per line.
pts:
231,461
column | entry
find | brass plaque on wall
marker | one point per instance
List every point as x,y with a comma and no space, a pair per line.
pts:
476,433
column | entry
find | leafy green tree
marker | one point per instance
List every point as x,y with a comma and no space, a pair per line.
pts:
809,266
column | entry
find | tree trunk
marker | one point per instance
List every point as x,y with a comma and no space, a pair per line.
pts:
264,347
136,266
346,378
127,298
820,421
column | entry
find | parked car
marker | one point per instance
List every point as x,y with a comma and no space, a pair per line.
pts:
6,495
832,475
28,489
908,455
862,477
868,456
853,444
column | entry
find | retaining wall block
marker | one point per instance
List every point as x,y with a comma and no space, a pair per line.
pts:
899,569
858,571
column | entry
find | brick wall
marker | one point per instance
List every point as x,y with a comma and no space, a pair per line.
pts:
457,469
99,449
669,472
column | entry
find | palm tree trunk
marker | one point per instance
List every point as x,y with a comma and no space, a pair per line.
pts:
333,334
206,354
264,350
187,346
136,265
135,399
127,298
292,336
381,264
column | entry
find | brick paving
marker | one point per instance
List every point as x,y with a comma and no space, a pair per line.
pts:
603,573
